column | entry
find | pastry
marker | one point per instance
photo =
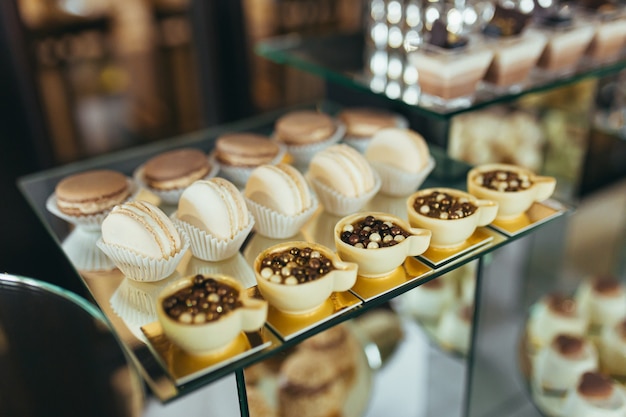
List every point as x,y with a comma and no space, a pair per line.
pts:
92,192
279,198
363,122
453,330
308,386
613,348
595,395
142,241
214,215
555,314
559,365
401,158
343,179
603,299
451,215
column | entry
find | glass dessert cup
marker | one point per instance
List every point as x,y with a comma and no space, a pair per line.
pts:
514,57
451,233
511,204
449,78
211,336
303,298
382,260
609,38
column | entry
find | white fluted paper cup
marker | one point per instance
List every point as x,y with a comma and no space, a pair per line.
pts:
82,251
339,204
239,175
275,225
399,183
302,154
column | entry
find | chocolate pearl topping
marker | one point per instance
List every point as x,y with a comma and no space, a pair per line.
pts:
295,266
205,300
444,206
503,180
373,233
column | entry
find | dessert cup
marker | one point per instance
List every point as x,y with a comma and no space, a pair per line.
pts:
449,78
360,143
302,154
451,233
511,204
275,225
593,399
211,336
399,183
454,328
428,301
303,298
338,204
555,314
609,36
383,260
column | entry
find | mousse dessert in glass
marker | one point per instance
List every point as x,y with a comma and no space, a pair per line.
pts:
449,66
609,24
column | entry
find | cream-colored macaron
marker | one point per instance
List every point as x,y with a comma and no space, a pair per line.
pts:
141,228
403,149
343,169
280,187
216,206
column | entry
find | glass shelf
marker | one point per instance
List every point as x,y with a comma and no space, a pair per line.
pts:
103,285
344,59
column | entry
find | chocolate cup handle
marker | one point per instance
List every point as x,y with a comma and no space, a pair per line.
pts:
253,314
487,211
544,187
419,240
344,276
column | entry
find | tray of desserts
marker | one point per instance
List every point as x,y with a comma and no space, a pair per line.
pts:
573,350
203,269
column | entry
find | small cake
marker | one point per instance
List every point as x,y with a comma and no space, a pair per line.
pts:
306,132
363,122
279,198
214,215
142,241
343,179
516,48
555,314
169,173
428,301
603,299
298,277
205,314
595,395
401,158
613,349
308,386
239,153
559,365
378,242
454,328
451,215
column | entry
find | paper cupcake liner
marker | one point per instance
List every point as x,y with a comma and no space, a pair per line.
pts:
236,267
339,204
135,302
302,154
171,197
398,183
275,225
142,268
207,247
239,175
80,247
90,222
361,143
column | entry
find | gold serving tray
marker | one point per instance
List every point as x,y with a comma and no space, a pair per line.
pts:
436,257
537,214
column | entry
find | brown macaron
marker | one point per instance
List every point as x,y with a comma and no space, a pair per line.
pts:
304,127
91,192
175,169
245,149
363,122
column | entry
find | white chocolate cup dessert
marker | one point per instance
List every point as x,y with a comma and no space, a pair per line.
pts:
389,242
595,395
515,189
288,293
559,365
603,299
450,230
613,349
209,327
555,314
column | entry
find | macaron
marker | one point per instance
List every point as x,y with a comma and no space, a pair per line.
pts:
343,169
245,149
363,122
403,149
216,206
280,187
142,228
91,192
304,127
175,169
